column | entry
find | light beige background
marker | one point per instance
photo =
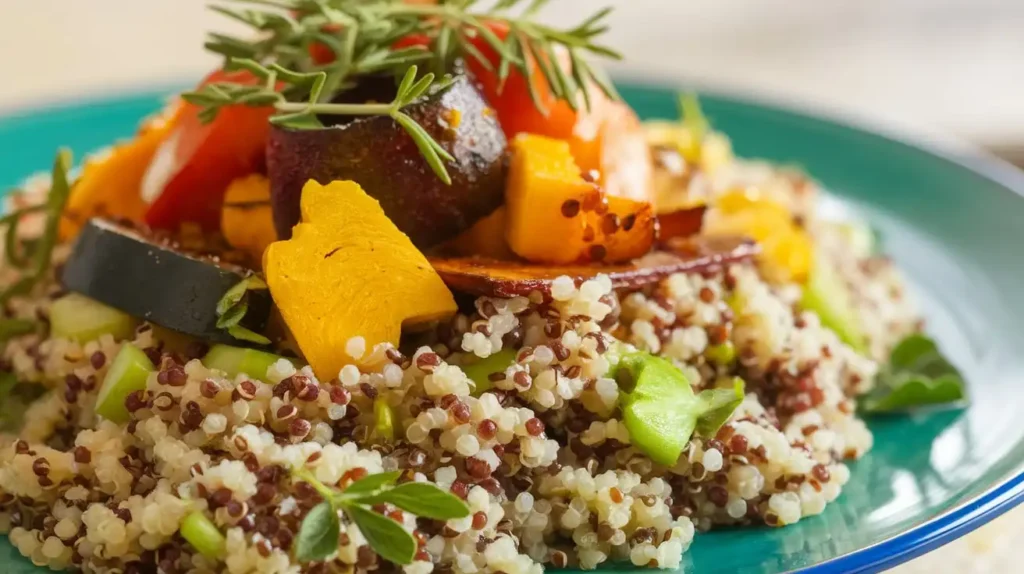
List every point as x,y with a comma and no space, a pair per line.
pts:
955,66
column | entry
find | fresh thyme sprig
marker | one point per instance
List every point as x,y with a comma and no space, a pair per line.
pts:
360,38
318,534
212,97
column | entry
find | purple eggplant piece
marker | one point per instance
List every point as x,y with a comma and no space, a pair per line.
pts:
379,155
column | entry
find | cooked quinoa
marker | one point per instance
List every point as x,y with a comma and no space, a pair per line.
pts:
542,459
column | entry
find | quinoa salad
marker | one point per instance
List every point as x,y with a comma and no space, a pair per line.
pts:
286,328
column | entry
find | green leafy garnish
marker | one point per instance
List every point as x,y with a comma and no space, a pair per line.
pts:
917,375
421,499
318,534
233,306
34,262
387,538
661,411
360,39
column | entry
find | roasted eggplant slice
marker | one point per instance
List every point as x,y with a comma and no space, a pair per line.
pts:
496,278
379,155
153,280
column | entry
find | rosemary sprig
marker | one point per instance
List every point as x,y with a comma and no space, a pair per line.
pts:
319,531
212,97
361,36
34,262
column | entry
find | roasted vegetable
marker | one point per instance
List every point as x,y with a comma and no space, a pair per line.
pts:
786,248
194,165
554,215
604,135
247,221
680,223
111,185
348,272
155,281
497,278
82,319
485,239
377,153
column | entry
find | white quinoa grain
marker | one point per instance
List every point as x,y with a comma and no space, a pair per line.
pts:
355,347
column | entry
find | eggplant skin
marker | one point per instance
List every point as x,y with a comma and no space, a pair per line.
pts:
121,268
380,156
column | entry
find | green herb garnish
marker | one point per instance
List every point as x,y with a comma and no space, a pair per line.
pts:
233,306
34,261
361,36
917,375
318,533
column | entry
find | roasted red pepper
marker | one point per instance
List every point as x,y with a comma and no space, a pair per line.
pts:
191,170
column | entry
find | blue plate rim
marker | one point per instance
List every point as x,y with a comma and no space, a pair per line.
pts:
934,533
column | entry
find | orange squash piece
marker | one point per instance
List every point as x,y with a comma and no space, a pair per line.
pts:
556,216
110,185
246,219
787,249
486,238
347,272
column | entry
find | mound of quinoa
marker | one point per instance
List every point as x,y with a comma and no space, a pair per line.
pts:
542,459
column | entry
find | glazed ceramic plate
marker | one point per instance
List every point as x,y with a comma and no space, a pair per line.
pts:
953,222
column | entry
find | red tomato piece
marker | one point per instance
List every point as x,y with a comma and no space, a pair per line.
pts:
191,170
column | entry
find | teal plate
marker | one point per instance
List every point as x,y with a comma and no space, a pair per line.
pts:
953,222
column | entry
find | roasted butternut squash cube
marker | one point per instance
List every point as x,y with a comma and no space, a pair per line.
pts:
486,238
246,219
556,216
348,272
545,199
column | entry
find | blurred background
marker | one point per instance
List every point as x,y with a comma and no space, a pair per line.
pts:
940,68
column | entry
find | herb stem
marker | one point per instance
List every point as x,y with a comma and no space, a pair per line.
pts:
305,475
337,109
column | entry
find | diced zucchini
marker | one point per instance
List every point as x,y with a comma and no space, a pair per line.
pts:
82,319
480,371
828,295
127,374
860,238
234,360
384,420
203,535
